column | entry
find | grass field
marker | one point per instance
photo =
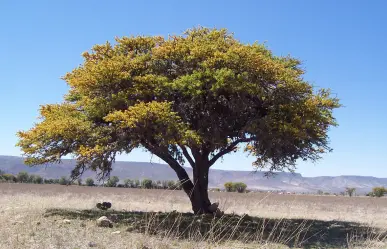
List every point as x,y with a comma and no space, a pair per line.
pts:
55,216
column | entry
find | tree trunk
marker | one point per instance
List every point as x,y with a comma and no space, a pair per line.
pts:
200,178
197,190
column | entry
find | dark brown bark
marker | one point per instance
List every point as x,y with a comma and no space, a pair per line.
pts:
197,190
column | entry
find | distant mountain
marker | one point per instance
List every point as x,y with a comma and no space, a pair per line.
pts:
255,180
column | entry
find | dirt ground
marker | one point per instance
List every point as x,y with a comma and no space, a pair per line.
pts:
33,216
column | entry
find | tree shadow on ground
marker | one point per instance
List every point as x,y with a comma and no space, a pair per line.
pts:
290,232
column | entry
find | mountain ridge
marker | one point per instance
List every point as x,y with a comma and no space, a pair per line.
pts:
282,181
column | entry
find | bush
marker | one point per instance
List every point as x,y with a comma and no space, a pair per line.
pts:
240,187
89,182
79,181
63,181
23,177
112,182
164,184
350,191
146,183
378,191
49,181
128,183
229,186
171,184
9,178
37,179
136,184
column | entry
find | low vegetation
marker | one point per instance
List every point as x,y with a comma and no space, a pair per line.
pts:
239,187
114,181
378,192
53,216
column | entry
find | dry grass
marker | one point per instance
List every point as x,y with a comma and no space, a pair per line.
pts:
31,216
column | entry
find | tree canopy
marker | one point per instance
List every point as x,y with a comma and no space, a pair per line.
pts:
187,98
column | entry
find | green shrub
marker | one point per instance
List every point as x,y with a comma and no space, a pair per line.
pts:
240,187
63,181
128,183
9,178
171,184
146,183
136,183
23,177
112,182
37,179
89,182
350,191
379,191
229,186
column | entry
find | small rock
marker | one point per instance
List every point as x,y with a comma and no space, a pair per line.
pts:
92,244
104,222
65,221
116,232
17,222
113,217
38,223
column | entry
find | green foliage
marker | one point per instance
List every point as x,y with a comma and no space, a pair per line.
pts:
350,191
49,181
128,183
229,186
63,181
171,184
37,179
240,187
89,182
112,181
203,89
146,183
320,192
79,181
9,178
164,184
378,191
104,205
23,177
136,183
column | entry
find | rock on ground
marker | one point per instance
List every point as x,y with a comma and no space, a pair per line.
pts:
104,222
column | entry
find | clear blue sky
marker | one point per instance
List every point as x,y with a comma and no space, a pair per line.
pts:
342,44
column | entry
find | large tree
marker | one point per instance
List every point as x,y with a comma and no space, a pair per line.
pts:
189,98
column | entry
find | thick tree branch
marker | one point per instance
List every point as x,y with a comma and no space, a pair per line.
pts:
166,157
229,148
187,156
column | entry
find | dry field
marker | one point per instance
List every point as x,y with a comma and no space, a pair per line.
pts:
55,216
